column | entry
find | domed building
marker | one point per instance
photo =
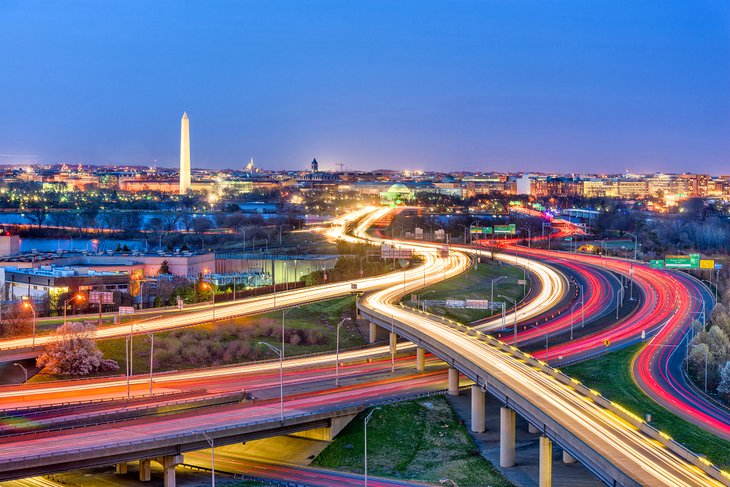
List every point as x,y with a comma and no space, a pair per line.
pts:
397,194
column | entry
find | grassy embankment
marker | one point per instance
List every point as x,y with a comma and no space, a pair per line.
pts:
321,318
421,440
474,284
611,375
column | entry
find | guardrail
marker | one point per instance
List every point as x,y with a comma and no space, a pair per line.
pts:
701,462
196,436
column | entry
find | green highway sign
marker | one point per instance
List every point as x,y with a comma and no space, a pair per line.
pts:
487,229
656,264
691,261
511,228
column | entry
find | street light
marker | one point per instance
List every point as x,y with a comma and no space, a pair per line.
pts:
280,353
496,279
337,356
636,244
207,286
212,457
80,297
367,418
423,302
25,371
29,306
514,303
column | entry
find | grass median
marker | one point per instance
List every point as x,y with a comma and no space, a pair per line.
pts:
610,374
474,284
420,440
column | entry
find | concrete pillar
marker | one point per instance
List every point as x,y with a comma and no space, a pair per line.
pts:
568,458
145,473
506,437
478,410
393,341
121,468
453,382
169,463
420,359
546,462
532,429
373,333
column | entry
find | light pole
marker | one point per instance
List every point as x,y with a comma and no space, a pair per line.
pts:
25,371
80,297
207,286
514,302
29,306
280,353
367,419
423,302
496,279
337,355
152,353
212,457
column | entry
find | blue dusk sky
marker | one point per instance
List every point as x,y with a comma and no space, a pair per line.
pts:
540,85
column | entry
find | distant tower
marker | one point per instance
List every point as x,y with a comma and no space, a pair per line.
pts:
184,154
315,165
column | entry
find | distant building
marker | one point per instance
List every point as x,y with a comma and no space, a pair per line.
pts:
50,281
315,165
397,194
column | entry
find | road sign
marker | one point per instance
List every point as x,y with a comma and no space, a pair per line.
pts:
455,303
691,261
521,282
707,264
126,310
656,264
511,228
180,303
607,342
718,266
103,297
476,304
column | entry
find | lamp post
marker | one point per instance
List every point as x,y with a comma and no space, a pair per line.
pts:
80,297
27,305
367,419
337,354
207,286
636,244
496,279
25,371
212,457
514,302
280,353
423,302
529,236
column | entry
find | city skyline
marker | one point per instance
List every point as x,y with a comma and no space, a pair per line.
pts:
479,86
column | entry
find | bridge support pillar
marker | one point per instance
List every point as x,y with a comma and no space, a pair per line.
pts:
393,341
506,437
453,382
478,410
145,472
568,458
420,359
532,429
121,468
373,333
546,462
169,463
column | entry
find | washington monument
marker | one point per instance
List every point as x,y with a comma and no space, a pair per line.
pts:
184,154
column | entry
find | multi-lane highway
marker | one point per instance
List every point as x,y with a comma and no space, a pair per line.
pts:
604,433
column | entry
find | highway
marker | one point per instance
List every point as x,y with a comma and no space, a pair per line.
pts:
632,452
594,422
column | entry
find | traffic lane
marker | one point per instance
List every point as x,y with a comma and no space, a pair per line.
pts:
147,430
